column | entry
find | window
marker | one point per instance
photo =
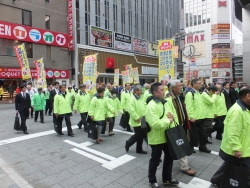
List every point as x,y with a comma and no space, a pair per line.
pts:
115,14
129,18
97,12
48,52
47,22
7,47
26,18
106,14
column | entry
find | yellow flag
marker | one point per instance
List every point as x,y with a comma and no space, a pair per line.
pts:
90,73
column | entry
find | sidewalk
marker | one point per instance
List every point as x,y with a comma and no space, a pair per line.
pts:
10,179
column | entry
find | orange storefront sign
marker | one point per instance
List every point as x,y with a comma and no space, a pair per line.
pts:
220,31
221,65
221,26
221,60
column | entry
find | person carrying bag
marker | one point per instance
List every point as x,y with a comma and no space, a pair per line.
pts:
17,126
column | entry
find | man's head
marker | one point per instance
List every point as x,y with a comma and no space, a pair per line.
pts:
28,87
40,90
29,84
244,95
82,88
104,86
109,86
56,85
127,86
226,85
196,84
212,89
219,87
22,88
176,87
62,88
138,90
233,84
100,91
97,86
49,87
113,93
189,86
157,90
70,89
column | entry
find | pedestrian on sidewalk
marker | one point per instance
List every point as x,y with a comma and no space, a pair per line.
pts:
10,90
23,107
62,109
114,105
82,102
136,111
1,93
48,108
53,93
31,94
38,103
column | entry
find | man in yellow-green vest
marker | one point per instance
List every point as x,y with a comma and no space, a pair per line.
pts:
136,111
62,109
48,101
236,139
82,102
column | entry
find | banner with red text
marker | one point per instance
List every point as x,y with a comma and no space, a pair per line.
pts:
41,74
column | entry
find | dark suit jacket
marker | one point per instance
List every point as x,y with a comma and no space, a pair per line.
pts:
227,99
52,96
22,104
233,95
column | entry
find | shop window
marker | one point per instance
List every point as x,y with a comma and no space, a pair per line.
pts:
7,47
47,22
48,52
26,18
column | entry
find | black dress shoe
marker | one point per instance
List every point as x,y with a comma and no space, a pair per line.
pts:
194,151
25,132
50,115
130,130
80,127
126,148
155,185
72,135
208,142
42,121
60,133
142,152
205,150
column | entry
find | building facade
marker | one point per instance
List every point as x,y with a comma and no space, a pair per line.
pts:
42,25
131,27
210,30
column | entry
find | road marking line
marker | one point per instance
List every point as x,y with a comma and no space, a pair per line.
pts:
30,136
98,159
111,164
116,130
213,152
90,150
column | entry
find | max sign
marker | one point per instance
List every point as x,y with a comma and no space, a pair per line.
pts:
28,34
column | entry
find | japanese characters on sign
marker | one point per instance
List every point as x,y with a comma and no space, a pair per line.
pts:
41,74
166,60
70,26
140,46
122,42
101,37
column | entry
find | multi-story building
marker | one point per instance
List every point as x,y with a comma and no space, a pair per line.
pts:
210,27
131,27
42,25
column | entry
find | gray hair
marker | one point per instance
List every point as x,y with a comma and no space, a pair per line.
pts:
137,87
173,83
145,85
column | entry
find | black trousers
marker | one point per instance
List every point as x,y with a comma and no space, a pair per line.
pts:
208,122
41,115
83,120
48,107
197,134
137,137
219,126
111,121
68,124
23,115
155,160
31,112
1,97
128,126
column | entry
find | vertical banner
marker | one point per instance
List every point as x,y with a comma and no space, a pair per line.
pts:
135,75
116,77
70,25
166,60
41,74
90,73
125,77
23,61
130,74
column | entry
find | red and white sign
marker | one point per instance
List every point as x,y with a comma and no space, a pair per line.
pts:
166,46
222,3
70,26
221,65
15,31
16,73
191,38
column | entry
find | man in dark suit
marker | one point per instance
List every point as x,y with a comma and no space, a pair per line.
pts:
225,91
53,93
23,107
233,93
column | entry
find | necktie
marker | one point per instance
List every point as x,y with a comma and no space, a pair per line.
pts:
23,96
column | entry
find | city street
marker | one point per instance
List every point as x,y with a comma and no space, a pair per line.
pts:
44,159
